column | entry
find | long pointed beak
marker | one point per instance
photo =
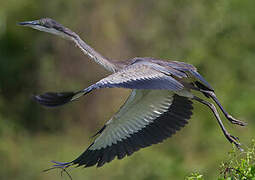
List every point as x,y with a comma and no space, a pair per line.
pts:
29,23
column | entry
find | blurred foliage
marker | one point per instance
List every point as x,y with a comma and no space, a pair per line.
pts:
195,176
215,36
240,166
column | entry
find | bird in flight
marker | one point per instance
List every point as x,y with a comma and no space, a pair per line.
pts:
159,105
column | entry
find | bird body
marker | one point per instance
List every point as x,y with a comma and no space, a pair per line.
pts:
159,105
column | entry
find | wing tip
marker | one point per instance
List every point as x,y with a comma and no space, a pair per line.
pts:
51,99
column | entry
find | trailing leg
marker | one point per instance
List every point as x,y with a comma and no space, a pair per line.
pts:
226,114
231,139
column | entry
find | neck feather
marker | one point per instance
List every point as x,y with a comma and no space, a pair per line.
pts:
94,55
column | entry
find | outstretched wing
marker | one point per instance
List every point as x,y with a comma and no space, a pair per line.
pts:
147,117
142,75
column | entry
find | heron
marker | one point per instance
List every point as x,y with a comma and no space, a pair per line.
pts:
159,105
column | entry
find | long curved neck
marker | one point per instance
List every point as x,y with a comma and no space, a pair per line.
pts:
94,55
86,49
51,26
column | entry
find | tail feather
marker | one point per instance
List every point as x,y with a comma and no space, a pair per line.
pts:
52,99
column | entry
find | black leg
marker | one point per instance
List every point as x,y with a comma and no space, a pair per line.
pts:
230,138
228,116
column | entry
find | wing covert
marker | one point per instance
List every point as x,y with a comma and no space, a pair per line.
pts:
140,76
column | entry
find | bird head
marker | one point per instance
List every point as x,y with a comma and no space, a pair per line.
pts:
50,26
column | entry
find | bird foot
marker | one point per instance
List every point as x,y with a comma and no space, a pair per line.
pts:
235,121
234,139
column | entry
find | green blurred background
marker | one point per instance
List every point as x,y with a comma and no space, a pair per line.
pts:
215,36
